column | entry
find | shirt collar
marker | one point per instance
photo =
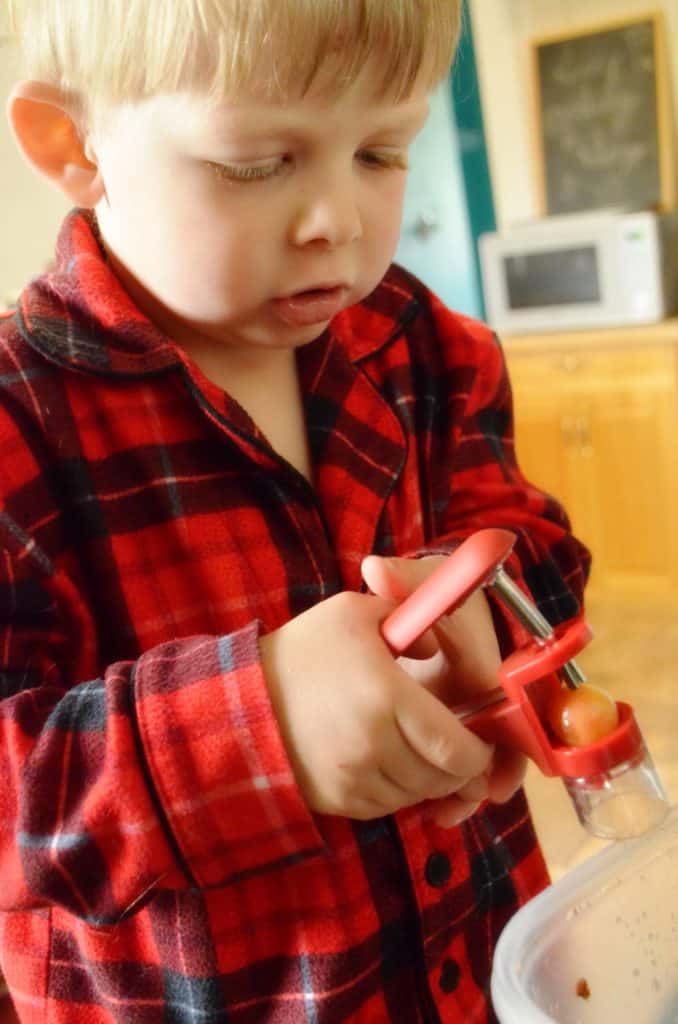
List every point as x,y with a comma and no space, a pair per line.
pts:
79,316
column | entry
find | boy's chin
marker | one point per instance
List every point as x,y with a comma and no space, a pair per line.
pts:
290,335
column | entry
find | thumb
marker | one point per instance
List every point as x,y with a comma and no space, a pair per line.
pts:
437,735
395,579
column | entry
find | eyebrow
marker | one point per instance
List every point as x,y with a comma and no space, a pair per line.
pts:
242,123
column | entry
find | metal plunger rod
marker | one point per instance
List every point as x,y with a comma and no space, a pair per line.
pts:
530,616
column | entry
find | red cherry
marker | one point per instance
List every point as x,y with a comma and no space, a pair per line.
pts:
582,716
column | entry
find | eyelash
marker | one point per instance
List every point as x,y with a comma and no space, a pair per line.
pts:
248,173
386,161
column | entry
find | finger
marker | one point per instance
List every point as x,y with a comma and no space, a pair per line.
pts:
396,579
474,666
452,810
417,778
368,808
437,735
506,775
475,790
433,672
384,794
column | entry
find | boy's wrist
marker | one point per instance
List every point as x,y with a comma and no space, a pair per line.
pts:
217,760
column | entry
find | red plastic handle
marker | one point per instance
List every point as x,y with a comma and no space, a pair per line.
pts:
467,568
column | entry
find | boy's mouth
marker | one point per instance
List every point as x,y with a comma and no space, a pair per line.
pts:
314,306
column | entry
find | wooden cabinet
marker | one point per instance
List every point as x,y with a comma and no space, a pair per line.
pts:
597,426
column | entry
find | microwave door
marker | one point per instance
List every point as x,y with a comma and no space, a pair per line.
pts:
560,277
544,284
556,288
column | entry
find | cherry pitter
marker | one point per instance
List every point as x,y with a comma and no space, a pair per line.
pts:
542,704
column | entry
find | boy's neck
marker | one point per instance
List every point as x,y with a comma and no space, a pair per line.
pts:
261,379
265,384
238,369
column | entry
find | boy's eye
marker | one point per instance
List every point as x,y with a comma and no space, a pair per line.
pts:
266,169
382,159
251,172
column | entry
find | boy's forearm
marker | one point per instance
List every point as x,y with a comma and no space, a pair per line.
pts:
165,772
487,489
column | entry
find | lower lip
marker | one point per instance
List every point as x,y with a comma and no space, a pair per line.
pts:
314,307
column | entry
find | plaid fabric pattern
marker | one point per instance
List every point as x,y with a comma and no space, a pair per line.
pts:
157,861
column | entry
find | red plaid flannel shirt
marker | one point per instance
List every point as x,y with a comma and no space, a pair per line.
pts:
157,861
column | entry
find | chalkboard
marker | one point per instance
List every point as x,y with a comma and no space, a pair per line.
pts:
601,131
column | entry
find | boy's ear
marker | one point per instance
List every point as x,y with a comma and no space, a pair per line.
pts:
47,135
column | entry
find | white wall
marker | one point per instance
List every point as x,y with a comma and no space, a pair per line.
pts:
502,30
30,209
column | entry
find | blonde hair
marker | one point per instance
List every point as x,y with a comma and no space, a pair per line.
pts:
109,51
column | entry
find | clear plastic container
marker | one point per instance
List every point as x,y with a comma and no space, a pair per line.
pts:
600,946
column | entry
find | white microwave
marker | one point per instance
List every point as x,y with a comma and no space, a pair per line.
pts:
601,269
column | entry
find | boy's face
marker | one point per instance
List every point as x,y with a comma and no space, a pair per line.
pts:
253,224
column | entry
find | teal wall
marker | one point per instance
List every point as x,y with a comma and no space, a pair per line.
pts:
443,259
472,148
449,189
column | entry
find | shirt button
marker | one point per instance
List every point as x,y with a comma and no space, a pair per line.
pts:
449,975
438,870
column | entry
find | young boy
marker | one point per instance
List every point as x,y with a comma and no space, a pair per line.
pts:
224,799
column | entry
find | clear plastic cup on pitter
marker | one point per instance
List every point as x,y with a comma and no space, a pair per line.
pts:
623,801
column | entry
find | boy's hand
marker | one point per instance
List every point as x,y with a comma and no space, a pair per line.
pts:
363,737
463,666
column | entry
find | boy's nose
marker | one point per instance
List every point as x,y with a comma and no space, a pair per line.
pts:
329,214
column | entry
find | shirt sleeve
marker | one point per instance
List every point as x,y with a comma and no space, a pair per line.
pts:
168,771
485,486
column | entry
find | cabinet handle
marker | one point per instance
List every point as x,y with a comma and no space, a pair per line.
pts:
584,437
570,363
567,429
